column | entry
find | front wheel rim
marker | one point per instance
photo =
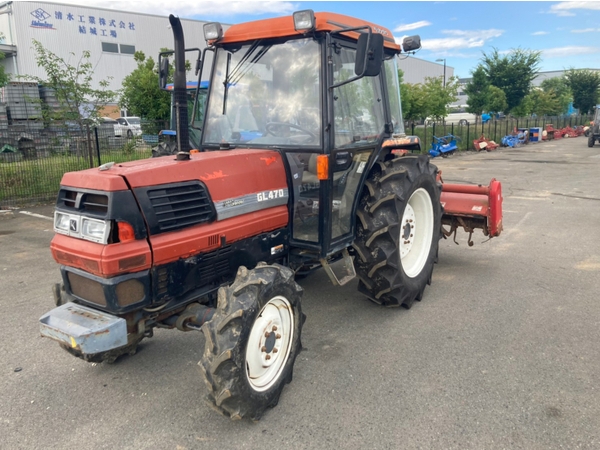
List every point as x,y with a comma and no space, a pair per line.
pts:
270,343
416,232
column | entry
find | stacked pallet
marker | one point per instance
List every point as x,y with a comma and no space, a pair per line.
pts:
22,100
3,117
48,96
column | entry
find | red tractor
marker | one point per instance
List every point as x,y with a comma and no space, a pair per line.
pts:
303,164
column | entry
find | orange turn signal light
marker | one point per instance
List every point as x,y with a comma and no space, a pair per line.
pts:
322,167
126,232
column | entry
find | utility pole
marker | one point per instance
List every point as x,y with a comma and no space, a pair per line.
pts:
440,60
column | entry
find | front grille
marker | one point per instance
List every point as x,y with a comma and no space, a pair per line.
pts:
162,281
87,289
129,292
179,206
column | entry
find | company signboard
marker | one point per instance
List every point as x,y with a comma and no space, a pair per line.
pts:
99,24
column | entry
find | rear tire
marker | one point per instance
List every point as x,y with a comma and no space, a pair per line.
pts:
398,231
591,140
252,341
463,122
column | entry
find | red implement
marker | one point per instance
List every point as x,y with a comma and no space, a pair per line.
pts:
484,144
472,207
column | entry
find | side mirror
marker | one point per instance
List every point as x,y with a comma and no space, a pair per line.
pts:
369,55
411,43
163,73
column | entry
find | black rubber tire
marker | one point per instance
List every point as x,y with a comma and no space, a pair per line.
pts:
129,134
377,245
463,122
223,365
591,140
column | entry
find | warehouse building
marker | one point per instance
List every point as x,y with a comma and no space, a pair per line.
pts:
416,70
112,37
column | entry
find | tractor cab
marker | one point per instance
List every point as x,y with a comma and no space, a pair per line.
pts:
323,91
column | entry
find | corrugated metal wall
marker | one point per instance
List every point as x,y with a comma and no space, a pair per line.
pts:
415,69
66,30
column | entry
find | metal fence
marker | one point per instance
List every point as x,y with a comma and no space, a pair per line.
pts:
493,130
33,158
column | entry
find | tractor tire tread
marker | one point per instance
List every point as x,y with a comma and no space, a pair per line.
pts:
223,366
381,278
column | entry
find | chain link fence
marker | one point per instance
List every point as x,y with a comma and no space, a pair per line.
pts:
33,158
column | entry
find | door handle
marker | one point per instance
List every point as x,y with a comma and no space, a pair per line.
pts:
343,160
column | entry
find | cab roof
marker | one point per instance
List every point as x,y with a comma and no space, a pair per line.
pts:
284,27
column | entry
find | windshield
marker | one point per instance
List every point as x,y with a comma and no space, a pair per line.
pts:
266,94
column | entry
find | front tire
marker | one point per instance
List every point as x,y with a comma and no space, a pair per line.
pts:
591,140
252,341
398,231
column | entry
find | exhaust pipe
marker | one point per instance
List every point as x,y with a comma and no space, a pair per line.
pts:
179,87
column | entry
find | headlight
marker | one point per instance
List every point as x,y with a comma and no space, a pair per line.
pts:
76,226
213,31
61,222
304,21
94,230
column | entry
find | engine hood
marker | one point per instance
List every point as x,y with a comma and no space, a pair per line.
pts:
227,174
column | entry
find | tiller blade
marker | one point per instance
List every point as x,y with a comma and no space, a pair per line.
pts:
472,207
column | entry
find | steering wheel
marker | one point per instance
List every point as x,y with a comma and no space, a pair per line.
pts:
271,127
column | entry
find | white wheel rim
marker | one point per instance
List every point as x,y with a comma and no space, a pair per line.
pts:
416,232
269,343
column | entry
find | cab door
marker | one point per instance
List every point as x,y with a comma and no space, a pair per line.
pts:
358,127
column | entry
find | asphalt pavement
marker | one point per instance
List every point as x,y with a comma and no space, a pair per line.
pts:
502,352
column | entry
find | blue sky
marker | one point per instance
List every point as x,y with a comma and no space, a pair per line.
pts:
567,33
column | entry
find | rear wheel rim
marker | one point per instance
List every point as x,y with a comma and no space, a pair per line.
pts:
270,343
416,232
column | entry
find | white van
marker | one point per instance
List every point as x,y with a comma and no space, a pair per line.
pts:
128,126
461,118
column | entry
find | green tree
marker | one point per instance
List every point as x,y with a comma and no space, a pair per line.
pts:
585,86
525,108
544,103
141,95
513,73
73,86
561,90
78,100
4,77
417,98
496,100
405,98
477,91
438,97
